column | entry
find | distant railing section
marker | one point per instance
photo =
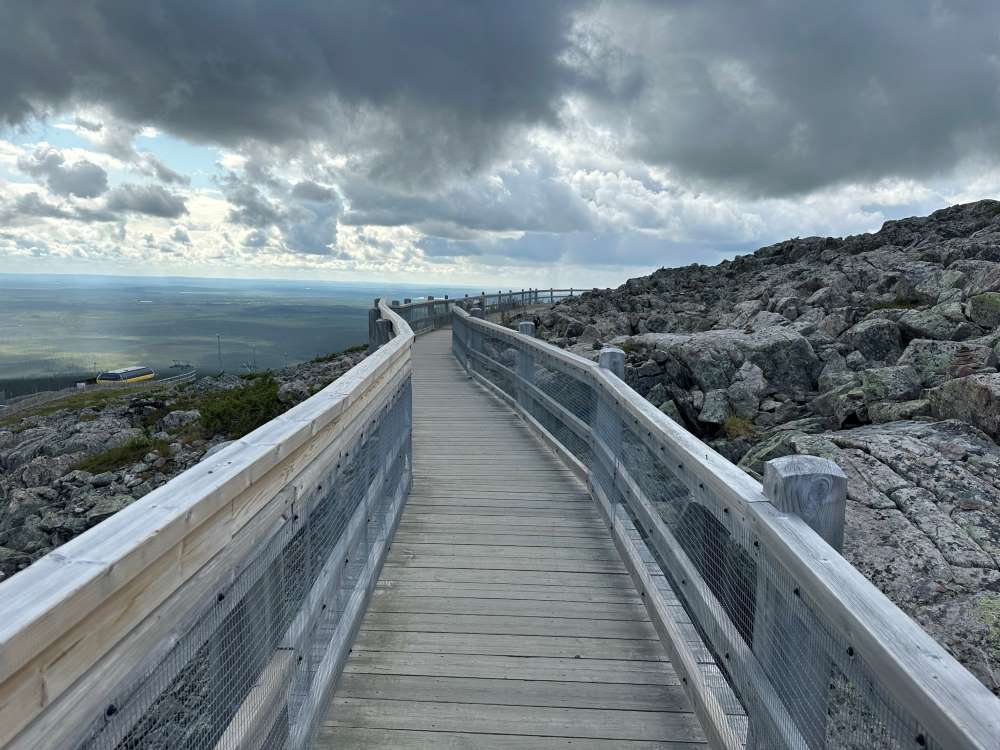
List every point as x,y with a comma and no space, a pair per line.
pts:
216,612
808,653
430,313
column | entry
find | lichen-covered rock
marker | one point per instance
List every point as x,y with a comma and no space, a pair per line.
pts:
974,399
877,340
938,361
716,409
898,383
984,309
176,420
893,411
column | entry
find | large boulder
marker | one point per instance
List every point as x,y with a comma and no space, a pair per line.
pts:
712,358
177,420
974,399
897,383
716,409
984,309
877,339
938,361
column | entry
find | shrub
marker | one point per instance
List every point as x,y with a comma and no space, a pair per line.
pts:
737,427
127,453
238,411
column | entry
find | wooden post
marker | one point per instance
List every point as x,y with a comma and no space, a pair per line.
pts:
395,303
814,489
407,301
612,358
785,638
373,316
384,328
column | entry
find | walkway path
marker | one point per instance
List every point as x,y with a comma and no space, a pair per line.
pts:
504,617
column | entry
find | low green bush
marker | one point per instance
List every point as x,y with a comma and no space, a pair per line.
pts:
238,411
126,454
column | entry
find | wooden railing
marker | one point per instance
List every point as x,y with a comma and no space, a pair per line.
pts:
94,632
816,655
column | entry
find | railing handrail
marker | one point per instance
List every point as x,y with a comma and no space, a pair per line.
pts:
950,702
61,616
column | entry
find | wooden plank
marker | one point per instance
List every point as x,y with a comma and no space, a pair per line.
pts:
459,605
514,720
509,645
355,738
540,565
505,625
406,551
514,692
512,520
508,591
514,667
606,580
515,540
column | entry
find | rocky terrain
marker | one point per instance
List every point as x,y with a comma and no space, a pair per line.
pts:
77,462
878,351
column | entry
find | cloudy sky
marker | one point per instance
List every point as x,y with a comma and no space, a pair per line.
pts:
541,143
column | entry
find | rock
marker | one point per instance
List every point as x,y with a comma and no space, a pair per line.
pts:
589,335
974,399
856,361
844,403
712,358
141,489
926,324
177,420
899,383
746,391
893,411
938,361
217,447
78,476
984,309
669,407
103,479
106,507
716,409
293,393
876,339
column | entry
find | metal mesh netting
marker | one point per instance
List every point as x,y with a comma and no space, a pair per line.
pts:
428,315
796,676
253,665
425,316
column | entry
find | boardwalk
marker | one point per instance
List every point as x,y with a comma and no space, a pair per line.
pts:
504,617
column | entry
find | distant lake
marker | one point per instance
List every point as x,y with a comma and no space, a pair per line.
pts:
59,326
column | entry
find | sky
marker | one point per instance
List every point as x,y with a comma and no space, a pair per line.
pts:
509,143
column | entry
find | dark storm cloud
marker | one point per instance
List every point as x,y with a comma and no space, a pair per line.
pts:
453,76
83,179
786,96
766,98
151,200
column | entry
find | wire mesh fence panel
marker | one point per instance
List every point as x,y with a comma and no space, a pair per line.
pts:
785,657
253,664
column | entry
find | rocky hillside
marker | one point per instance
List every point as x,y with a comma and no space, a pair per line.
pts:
878,351
75,462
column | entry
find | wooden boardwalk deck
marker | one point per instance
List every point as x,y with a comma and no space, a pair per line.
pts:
504,617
